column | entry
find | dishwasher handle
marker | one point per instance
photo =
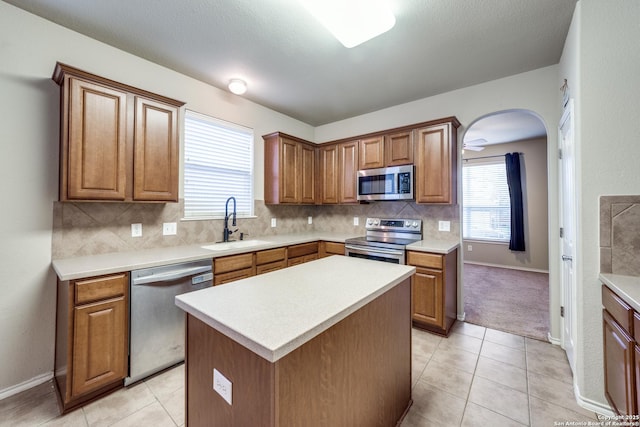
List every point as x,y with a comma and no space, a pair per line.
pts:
170,275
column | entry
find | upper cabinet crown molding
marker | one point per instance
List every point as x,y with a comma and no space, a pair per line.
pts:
117,142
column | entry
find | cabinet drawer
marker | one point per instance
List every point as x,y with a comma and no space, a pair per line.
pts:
303,249
636,333
231,276
423,259
618,309
333,248
232,262
272,266
271,255
100,288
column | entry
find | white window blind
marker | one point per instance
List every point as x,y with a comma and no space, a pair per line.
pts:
486,207
218,164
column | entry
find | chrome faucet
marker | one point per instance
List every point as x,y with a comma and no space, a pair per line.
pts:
226,232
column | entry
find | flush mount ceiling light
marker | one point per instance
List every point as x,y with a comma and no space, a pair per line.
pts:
237,86
352,22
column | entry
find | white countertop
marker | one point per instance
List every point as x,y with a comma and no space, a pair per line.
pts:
275,313
627,287
117,262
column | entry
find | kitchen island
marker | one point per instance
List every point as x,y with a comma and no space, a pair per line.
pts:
326,343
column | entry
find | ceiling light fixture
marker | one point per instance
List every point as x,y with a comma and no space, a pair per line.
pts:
237,86
352,22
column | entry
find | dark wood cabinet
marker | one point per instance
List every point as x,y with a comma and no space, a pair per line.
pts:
434,289
436,160
289,170
91,337
348,172
371,152
620,350
117,142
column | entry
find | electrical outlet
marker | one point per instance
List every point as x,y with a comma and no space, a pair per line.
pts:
169,229
273,222
356,220
444,226
222,386
136,230
309,220
469,248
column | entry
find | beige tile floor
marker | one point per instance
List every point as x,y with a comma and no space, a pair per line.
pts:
475,377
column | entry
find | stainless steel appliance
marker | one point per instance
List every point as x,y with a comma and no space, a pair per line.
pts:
392,183
156,334
385,239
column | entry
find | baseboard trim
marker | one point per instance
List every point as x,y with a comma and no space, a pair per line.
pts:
15,389
510,267
462,316
591,405
552,340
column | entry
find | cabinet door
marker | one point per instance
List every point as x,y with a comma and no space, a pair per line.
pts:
99,345
398,149
289,169
307,174
426,304
348,169
371,152
155,163
329,174
619,387
97,127
436,162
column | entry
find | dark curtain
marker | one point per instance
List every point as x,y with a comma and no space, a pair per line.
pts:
512,161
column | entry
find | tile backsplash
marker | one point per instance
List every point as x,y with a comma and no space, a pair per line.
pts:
620,235
81,229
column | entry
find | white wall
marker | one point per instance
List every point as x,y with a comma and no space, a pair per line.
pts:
29,111
601,62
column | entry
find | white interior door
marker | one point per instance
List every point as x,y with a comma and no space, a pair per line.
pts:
568,224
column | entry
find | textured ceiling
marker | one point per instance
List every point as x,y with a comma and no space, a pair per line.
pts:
293,65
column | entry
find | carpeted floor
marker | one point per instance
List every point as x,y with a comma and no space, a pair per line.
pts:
508,300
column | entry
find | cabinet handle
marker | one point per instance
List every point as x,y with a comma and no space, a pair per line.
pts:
567,258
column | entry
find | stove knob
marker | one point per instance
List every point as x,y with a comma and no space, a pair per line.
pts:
369,221
415,224
407,223
376,222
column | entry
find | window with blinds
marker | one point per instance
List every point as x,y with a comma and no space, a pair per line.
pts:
486,209
218,164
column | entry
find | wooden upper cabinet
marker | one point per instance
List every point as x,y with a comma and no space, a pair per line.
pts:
348,172
307,174
95,149
289,170
117,142
328,164
155,165
436,162
371,152
398,149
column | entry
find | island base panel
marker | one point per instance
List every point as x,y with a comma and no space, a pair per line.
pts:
356,373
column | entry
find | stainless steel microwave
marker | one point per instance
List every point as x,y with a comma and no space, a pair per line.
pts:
392,183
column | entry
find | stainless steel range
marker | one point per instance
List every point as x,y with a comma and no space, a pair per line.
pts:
385,239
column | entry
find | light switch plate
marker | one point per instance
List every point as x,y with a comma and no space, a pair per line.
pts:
356,220
309,220
444,226
136,230
273,222
169,229
222,386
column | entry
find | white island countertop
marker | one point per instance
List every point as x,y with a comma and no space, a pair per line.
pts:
275,313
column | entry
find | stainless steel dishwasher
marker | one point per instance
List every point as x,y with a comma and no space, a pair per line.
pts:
156,325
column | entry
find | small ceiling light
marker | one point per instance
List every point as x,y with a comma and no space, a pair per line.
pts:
352,22
237,86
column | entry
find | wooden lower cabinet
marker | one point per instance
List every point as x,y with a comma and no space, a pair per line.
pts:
434,290
233,267
621,354
326,249
271,260
304,252
91,337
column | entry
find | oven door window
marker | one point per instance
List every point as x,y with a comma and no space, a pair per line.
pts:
376,184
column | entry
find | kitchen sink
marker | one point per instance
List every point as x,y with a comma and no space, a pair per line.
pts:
238,244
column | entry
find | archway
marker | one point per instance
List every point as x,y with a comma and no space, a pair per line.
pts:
503,289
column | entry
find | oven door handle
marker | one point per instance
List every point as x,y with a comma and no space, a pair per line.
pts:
370,250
